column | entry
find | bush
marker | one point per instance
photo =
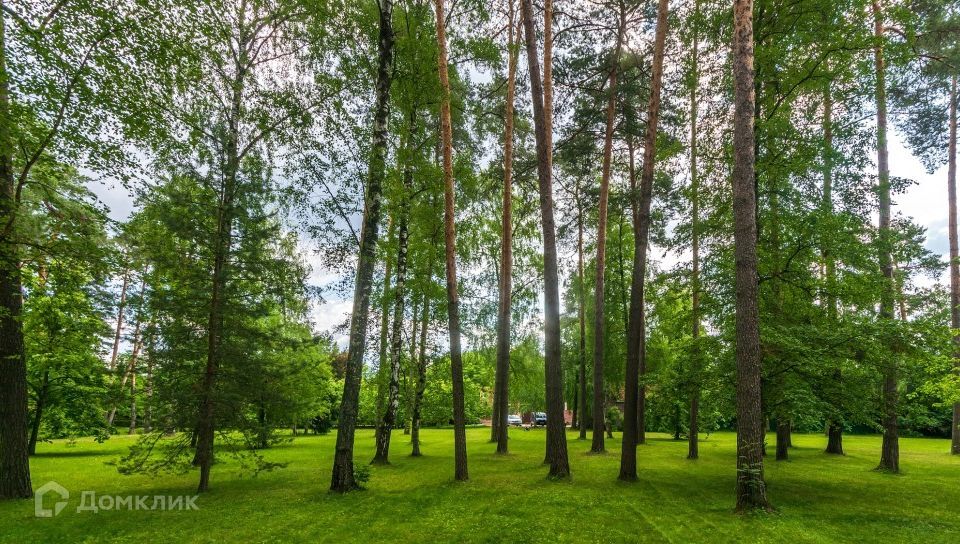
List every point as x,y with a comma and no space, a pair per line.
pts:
361,475
615,418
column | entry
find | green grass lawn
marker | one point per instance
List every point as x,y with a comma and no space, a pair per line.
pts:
820,498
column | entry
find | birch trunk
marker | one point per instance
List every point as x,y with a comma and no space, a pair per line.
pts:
342,479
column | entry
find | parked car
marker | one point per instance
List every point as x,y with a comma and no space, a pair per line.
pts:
514,420
540,418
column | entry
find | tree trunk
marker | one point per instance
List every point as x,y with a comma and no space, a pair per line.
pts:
14,452
751,489
783,439
677,426
599,392
134,355
408,387
621,260
634,402
890,449
38,413
118,331
581,317
554,376
206,425
450,244
502,382
421,371
954,255
389,419
693,434
835,438
343,479
556,438
222,250
14,445
262,432
14,456
383,361
205,421
835,425
42,392
778,385
148,392
576,407
133,403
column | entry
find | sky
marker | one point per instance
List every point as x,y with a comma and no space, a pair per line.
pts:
925,201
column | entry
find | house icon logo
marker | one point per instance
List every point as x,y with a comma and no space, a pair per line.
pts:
48,488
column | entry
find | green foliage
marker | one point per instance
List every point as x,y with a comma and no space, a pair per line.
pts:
361,475
65,264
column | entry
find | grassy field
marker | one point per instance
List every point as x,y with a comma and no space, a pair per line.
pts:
820,498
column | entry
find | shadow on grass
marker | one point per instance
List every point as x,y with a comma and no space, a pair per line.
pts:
74,453
667,439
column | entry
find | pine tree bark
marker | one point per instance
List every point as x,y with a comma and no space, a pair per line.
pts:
890,449
14,456
342,479
502,382
634,394
954,255
599,391
148,393
582,318
576,408
134,354
118,331
556,448
556,438
133,403
835,424
751,490
450,245
636,196
693,434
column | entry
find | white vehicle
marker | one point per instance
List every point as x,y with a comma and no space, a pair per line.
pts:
514,420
